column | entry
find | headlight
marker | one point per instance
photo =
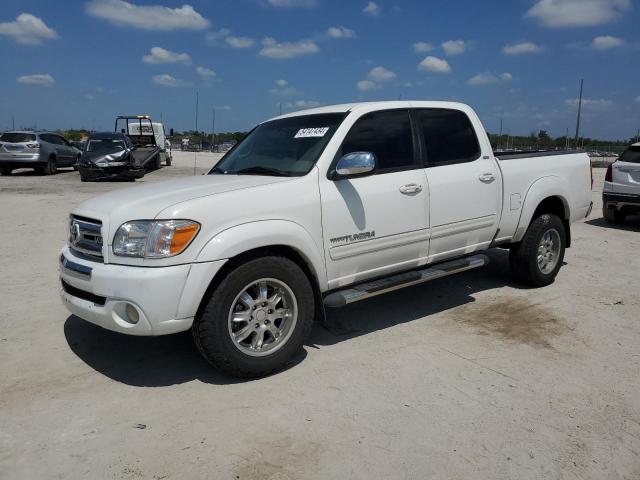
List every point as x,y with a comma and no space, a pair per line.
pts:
154,238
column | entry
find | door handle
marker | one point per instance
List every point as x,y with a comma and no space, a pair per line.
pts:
410,188
487,177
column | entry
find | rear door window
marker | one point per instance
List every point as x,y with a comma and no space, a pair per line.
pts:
631,156
386,134
449,136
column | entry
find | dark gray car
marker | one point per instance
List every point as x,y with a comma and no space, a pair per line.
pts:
45,152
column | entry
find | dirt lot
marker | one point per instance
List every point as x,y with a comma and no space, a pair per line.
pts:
466,377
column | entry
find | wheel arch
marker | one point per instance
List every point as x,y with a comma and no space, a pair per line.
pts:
546,195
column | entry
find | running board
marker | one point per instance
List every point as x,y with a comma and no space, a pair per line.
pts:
402,280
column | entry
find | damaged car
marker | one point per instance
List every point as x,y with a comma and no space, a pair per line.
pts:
109,156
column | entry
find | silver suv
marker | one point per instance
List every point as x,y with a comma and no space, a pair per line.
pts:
42,151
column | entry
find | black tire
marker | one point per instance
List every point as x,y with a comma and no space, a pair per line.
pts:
5,171
211,330
523,256
40,170
612,215
52,166
167,161
157,164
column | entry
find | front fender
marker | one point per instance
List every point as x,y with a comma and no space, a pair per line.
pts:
264,233
542,188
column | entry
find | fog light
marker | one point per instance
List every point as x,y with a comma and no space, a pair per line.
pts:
132,314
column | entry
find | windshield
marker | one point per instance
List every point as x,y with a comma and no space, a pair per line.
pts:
105,145
17,137
289,146
632,155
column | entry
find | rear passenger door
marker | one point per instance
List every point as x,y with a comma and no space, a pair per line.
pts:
376,224
464,182
67,150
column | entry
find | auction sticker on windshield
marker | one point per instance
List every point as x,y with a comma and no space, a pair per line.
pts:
311,132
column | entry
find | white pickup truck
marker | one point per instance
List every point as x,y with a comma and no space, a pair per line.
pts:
316,208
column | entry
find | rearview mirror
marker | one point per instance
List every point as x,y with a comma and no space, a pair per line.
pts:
355,164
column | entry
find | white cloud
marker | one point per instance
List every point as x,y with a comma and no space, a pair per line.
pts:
240,42
292,3
381,74
147,17
520,48
372,8
302,104
286,50
283,89
483,79
366,85
43,79
213,38
487,78
454,47
577,13
159,56
340,32
166,80
205,72
589,104
375,77
27,29
606,42
423,47
434,64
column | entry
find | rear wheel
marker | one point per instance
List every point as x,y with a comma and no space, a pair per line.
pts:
52,166
257,318
6,171
536,260
612,215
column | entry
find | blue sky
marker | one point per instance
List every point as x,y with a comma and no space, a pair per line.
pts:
80,63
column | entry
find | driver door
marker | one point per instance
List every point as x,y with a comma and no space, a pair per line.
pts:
377,224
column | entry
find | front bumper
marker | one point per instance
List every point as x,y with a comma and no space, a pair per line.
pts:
165,299
126,172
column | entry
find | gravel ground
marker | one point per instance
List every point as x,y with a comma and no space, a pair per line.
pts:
466,377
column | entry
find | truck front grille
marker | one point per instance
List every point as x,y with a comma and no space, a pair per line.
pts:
85,236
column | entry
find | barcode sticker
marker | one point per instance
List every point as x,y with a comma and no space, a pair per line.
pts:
312,132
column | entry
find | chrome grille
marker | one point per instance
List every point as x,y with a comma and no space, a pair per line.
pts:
85,236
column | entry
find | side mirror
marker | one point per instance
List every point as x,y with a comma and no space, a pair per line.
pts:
355,164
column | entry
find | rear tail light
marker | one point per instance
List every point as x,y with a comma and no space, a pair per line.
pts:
608,177
33,145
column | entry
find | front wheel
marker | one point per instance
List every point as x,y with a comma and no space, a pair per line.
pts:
6,171
257,318
536,260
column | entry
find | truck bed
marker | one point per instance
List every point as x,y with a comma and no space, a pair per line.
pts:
144,155
569,172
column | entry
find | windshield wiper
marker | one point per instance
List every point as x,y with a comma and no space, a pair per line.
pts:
257,170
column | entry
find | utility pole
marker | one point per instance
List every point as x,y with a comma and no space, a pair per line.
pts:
500,137
638,136
13,122
195,150
280,105
213,129
566,140
579,111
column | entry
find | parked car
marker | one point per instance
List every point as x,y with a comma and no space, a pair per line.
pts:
42,151
621,192
109,156
316,208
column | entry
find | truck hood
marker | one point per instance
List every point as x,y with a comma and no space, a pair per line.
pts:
146,201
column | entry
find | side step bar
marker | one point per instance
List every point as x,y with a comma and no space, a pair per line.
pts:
349,295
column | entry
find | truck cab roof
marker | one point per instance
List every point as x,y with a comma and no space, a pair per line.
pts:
382,105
